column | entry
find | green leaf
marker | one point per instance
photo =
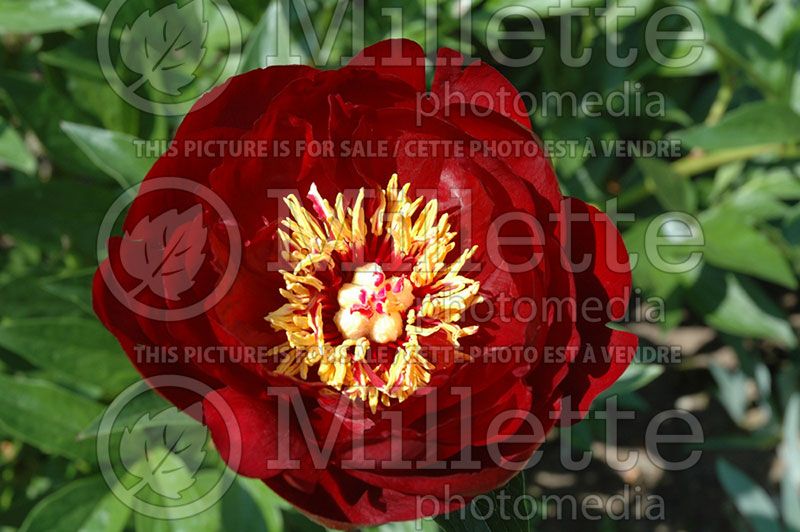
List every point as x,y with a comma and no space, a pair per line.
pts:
736,305
56,215
647,273
83,505
209,520
757,205
672,190
790,453
732,243
749,498
271,42
32,300
34,101
683,43
44,16
776,22
485,514
76,56
98,99
13,151
220,37
165,47
617,17
543,8
748,50
636,376
250,505
47,416
752,124
112,152
730,385
86,85
187,445
781,182
138,413
423,525
74,287
724,178
76,348
752,365
762,440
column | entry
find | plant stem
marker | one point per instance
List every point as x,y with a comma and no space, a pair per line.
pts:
723,99
697,164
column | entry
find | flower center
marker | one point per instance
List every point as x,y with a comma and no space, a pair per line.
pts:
372,305
371,299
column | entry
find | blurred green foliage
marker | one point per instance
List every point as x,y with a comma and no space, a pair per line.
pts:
67,149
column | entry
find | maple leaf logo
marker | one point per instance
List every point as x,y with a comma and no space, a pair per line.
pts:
165,253
166,47
163,454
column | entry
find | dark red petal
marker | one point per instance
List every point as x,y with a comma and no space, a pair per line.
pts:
603,282
478,85
400,58
128,328
180,162
593,237
252,438
221,116
344,502
254,294
449,64
241,100
527,158
613,351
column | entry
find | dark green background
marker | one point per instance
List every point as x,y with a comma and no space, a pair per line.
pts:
66,152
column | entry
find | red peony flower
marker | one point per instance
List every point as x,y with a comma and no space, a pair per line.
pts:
401,264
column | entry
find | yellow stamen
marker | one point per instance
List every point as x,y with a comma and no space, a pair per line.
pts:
386,313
